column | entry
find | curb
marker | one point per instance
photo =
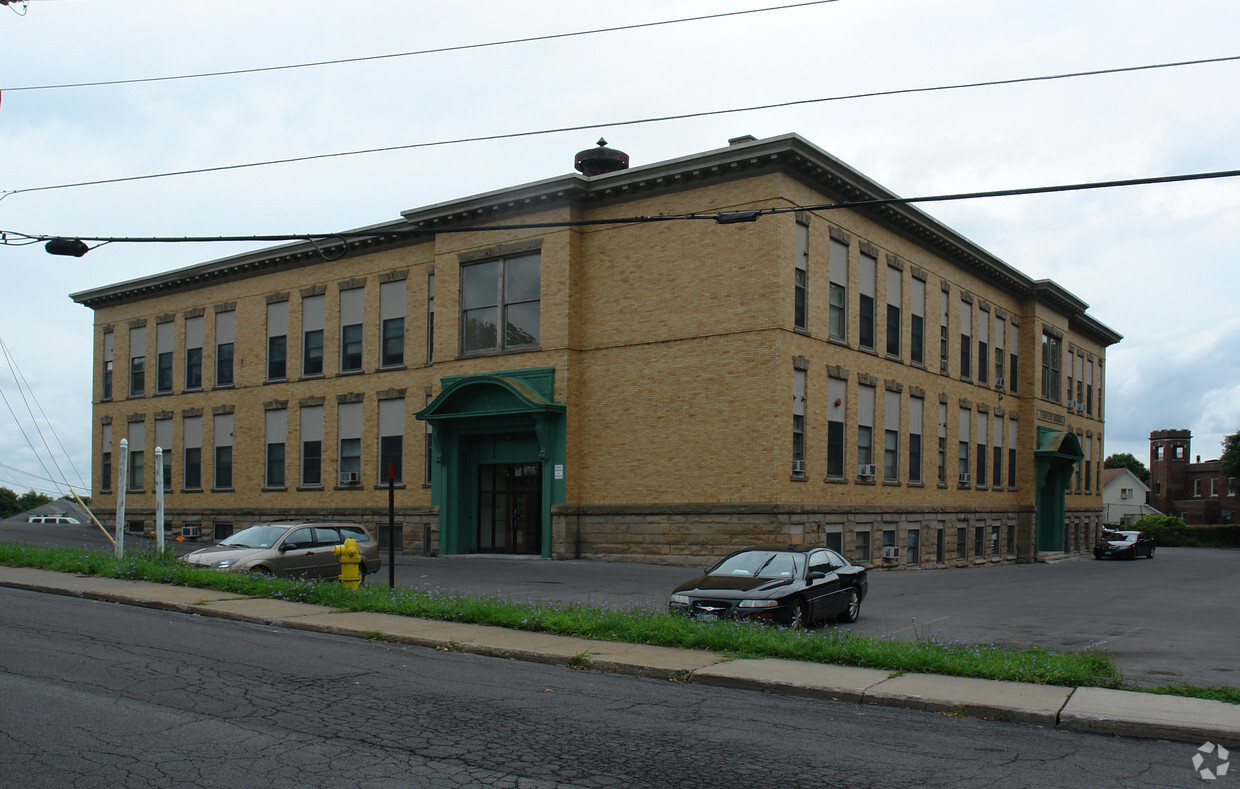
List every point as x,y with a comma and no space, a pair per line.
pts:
1092,710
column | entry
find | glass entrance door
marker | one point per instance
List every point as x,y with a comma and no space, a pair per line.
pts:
510,508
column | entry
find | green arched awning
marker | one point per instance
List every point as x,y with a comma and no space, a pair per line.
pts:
489,395
1058,444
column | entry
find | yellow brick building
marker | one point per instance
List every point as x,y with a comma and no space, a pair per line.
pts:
626,365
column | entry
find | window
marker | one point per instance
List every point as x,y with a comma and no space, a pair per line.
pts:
891,437
191,436
962,460
391,440
1089,445
105,464
277,431
311,418
223,438
163,442
1013,370
500,305
1000,327
164,336
1196,484
839,290
137,457
912,542
865,431
137,361
1214,487
108,346
982,457
962,542
801,284
943,335
979,542
994,541
895,297
837,409
939,547
313,318
917,328
428,448
1051,361
193,353
392,326
1080,379
1011,453
1179,452
225,334
916,406
861,551
349,427
1011,539
798,421
1089,388
352,303
966,339
983,345
430,317
996,471
869,274
1158,452
277,341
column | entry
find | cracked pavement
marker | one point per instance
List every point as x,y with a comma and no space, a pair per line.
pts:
98,694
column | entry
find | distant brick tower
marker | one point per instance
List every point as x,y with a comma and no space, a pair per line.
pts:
1169,454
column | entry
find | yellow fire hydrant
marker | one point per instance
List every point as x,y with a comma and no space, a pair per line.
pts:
350,560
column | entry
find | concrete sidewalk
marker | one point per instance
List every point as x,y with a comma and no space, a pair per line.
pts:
1098,710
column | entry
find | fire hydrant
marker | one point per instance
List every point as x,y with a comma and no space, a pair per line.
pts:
350,561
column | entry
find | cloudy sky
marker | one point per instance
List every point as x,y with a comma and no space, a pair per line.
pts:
1156,263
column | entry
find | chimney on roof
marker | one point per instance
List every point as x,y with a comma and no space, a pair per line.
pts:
742,138
596,161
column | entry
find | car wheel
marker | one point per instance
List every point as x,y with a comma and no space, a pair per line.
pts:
362,571
854,606
798,617
1151,551
1132,555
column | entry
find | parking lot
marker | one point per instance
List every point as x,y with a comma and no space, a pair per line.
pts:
1166,620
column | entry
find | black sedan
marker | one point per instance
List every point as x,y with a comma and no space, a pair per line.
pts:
793,585
1124,545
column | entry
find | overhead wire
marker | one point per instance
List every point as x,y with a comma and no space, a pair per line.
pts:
34,420
432,51
725,217
20,378
624,123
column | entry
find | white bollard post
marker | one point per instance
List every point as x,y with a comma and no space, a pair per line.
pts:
159,499
122,482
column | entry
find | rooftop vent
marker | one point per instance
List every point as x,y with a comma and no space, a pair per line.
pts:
596,161
742,138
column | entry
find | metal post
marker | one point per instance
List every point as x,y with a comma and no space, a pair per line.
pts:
391,525
122,482
159,499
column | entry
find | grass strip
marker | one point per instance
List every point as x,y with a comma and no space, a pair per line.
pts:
1089,668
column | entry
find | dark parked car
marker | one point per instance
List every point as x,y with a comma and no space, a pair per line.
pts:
300,549
1124,545
793,585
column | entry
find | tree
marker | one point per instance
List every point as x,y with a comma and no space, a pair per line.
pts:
1128,461
30,500
1231,455
8,503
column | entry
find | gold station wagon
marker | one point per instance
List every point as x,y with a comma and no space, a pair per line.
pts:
301,549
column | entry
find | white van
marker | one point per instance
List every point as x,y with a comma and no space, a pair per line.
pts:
63,520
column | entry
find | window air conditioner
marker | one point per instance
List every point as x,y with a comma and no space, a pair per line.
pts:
965,479
1080,408
1071,405
999,382
798,467
891,553
866,470
191,531
348,478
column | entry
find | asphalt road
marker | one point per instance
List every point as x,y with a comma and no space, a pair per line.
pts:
1167,620
98,694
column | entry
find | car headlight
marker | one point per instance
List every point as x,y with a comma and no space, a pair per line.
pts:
224,564
759,603
680,599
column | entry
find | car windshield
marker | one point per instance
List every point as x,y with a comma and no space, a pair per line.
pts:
762,564
255,537
1122,536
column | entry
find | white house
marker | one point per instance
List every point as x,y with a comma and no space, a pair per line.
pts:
1124,496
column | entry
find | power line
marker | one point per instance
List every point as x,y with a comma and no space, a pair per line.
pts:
433,51
726,217
618,124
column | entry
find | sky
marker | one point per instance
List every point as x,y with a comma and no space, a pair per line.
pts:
1155,263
